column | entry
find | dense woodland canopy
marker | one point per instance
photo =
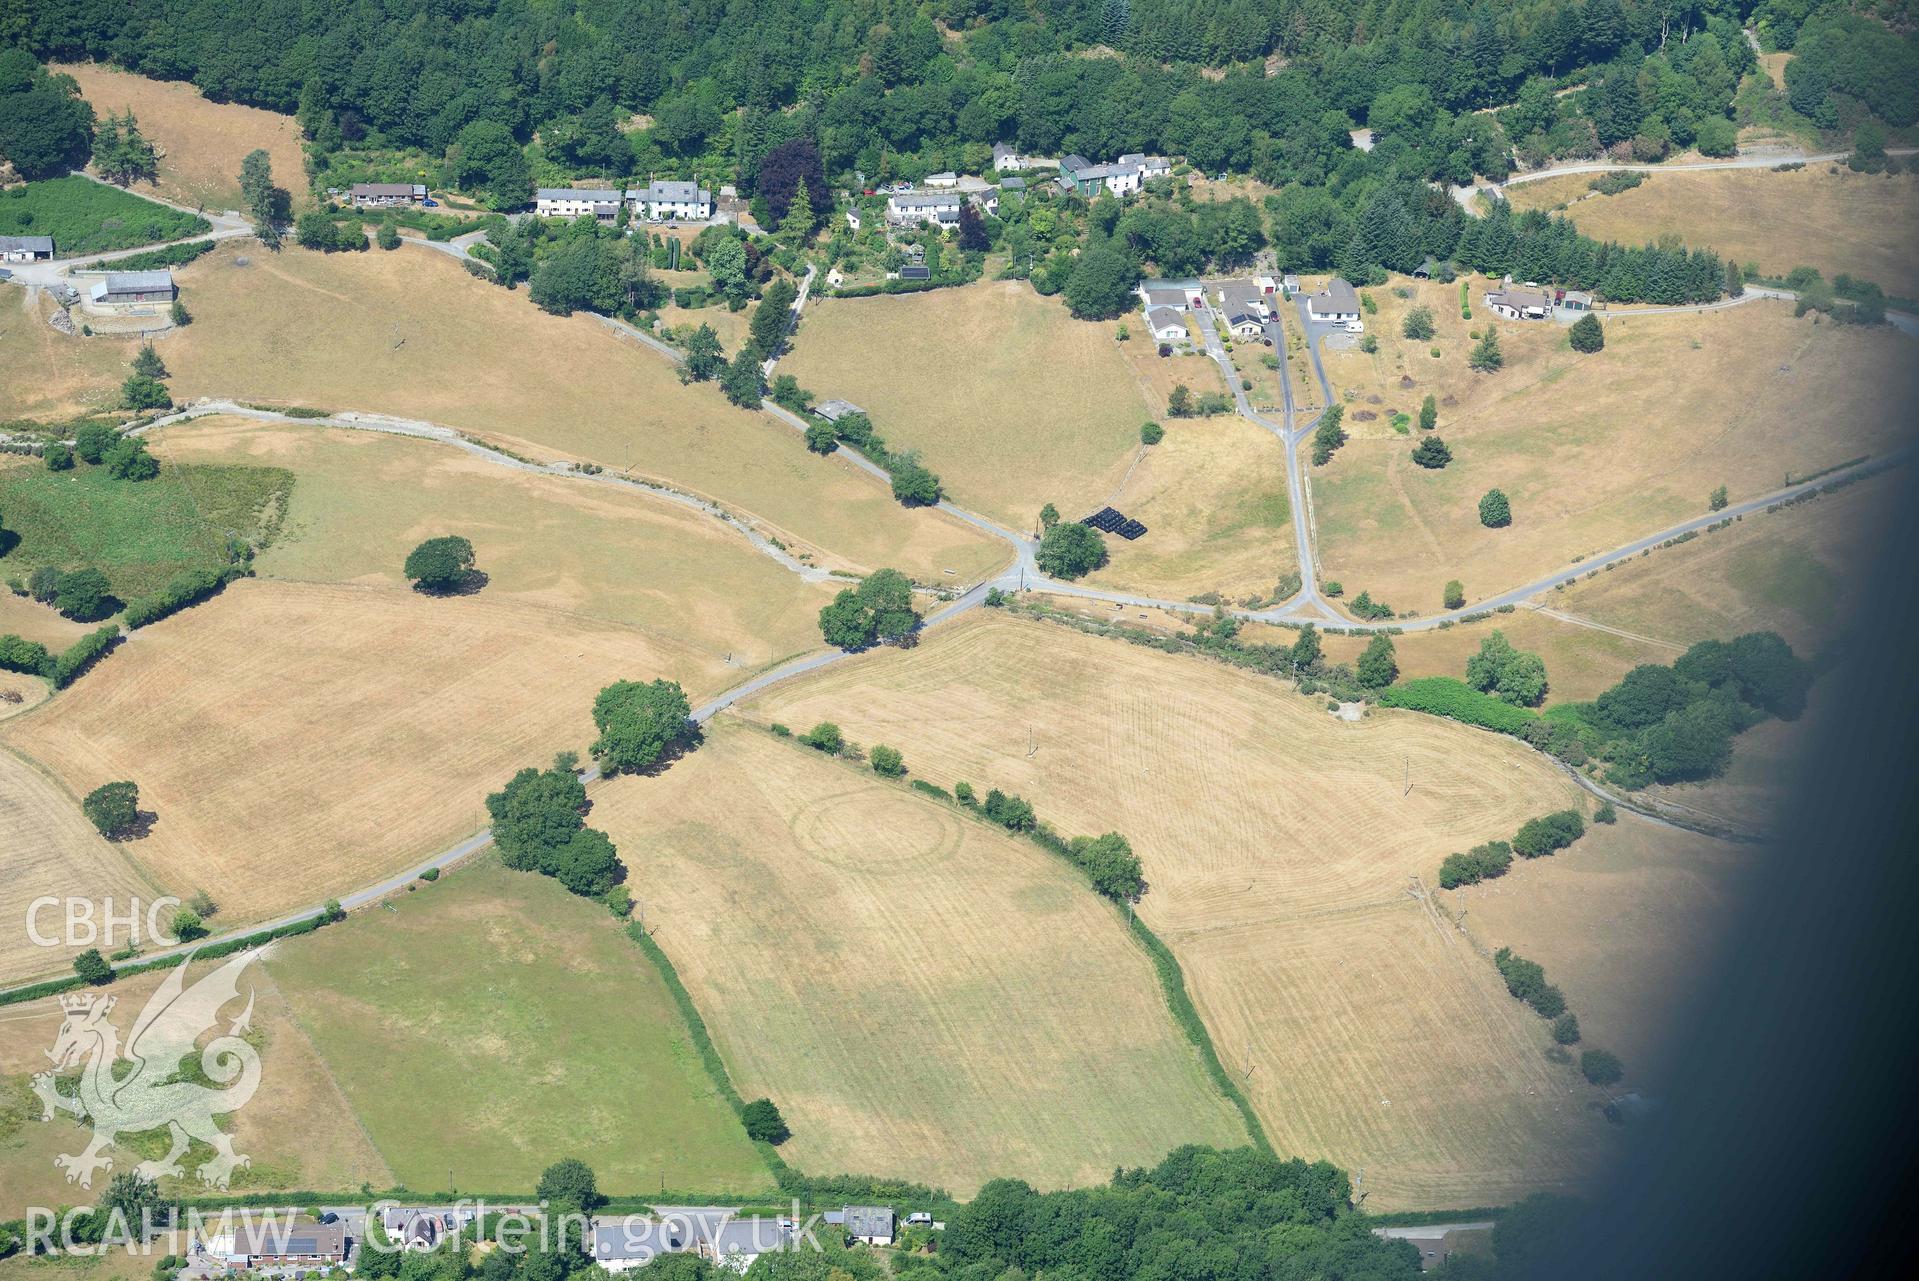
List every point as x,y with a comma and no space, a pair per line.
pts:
46,127
885,86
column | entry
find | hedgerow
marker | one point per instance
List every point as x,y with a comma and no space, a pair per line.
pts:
190,588
1456,700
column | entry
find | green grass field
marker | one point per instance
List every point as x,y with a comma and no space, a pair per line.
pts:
491,1023
139,534
87,217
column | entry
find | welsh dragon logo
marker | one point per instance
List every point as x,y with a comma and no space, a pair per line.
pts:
151,1094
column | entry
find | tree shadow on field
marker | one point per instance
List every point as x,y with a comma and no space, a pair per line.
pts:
471,584
687,743
137,830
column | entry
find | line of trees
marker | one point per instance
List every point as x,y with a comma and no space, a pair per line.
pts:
914,484
1536,838
1526,981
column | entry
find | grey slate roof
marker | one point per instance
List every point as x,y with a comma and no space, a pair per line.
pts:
609,195
1239,293
668,189
1158,318
1337,296
869,1221
619,1240
1165,296
26,244
676,1231
834,410
132,282
747,1236
387,189
926,200
1012,184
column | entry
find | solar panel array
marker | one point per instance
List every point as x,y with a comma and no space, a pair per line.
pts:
1111,521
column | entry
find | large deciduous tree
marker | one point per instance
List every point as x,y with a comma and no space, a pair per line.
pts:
486,160
46,127
1377,667
879,609
1101,283
638,721
1070,550
440,565
784,170
113,809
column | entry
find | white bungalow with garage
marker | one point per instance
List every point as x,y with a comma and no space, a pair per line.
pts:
1157,293
1166,324
1338,302
1246,324
1517,302
1243,296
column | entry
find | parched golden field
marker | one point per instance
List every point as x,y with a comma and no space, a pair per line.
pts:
201,143
1013,402
924,996
1622,920
1595,451
1158,374
32,691
298,740
410,333
1796,571
1278,843
298,1129
1823,216
1212,494
1404,371
48,374
47,847
572,545
26,617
